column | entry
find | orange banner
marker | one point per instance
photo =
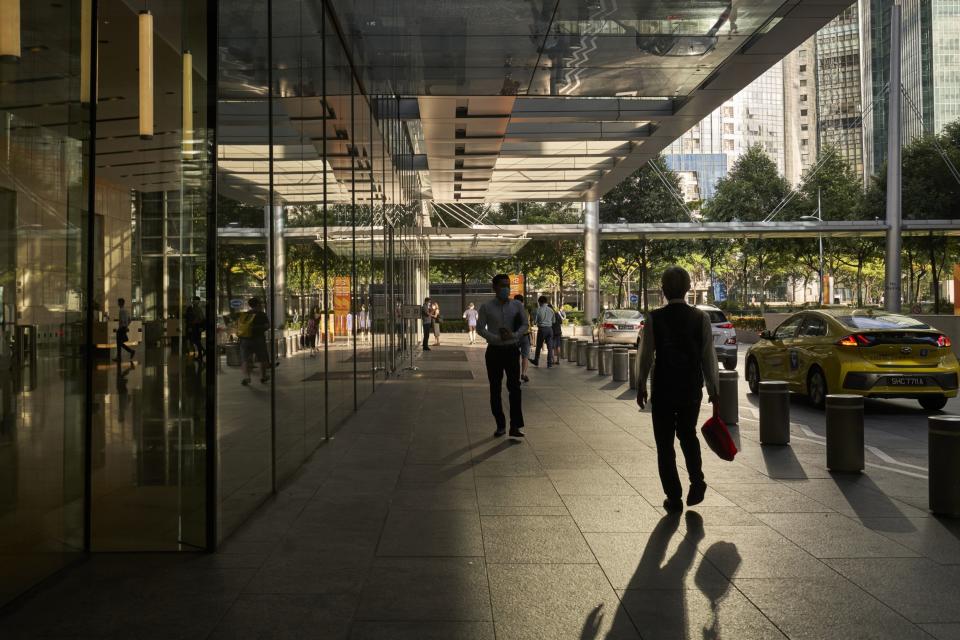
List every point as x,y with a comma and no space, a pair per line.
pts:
956,289
516,284
341,304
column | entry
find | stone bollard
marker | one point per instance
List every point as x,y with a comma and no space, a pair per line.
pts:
845,432
729,400
582,353
621,365
943,442
572,350
605,366
593,355
632,358
774,412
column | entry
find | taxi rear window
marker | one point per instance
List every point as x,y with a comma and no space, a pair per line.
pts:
882,321
716,317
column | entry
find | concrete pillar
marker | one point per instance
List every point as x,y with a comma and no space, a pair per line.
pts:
591,259
277,265
892,294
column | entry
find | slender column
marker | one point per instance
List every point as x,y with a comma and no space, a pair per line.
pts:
277,263
591,259
892,294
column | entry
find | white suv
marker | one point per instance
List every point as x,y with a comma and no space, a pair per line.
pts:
724,336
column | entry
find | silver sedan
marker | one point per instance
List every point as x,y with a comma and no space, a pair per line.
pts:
621,326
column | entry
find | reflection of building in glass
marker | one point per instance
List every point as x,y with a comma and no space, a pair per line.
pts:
838,88
930,69
753,116
698,173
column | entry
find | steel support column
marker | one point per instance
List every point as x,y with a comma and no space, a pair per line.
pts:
591,259
892,294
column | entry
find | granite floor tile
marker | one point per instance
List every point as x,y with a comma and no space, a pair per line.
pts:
534,539
832,535
431,533
612,513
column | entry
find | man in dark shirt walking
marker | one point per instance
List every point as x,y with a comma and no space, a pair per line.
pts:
677,344
252,328
501,322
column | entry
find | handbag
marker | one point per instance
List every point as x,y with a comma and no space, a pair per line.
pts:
717,437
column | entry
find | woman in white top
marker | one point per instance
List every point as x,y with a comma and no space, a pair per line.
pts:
470,315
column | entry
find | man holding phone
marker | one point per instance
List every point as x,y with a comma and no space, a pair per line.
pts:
501,322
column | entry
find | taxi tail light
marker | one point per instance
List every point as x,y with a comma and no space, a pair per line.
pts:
855,340
609,325
725,325
944,341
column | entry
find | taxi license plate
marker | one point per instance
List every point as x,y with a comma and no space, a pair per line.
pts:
907,381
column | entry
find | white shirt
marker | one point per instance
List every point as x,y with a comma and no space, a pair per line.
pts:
495,314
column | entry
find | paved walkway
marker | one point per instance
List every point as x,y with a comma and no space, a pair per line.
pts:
415,523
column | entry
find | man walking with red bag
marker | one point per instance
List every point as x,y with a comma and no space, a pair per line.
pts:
677,344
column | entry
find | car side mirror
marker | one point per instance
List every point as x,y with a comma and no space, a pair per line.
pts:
766,335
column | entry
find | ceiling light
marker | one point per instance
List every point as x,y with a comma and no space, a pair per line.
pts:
187,100
86,39
146,75
10,30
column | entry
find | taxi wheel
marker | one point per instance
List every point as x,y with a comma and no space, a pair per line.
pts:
753,376
817,388
933,403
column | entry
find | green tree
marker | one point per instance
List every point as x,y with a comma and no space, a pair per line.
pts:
749,192
641,198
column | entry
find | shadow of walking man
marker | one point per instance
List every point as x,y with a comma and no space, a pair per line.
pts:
718,554
654,601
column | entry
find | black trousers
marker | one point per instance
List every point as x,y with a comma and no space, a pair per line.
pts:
122,337
676,417
544,334
504,359
427,331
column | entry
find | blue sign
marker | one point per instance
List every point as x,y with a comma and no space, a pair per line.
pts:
719,291
634,298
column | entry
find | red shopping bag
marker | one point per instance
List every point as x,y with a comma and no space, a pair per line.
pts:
717,437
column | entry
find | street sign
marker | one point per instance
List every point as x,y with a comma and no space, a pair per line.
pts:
634,298
236,304
410,311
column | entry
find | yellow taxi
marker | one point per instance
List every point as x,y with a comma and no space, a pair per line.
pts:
868,352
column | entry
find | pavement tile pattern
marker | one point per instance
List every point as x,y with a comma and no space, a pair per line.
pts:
416,523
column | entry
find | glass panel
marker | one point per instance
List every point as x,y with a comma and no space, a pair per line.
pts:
44,223
149,416
244,226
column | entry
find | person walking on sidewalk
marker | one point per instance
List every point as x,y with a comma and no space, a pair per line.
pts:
677,344
501,322
558,317
252,327
543,318
123,331
426,316
435,315
470,315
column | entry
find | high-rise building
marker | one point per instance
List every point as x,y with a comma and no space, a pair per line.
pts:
930,70
801,108
753,116
838,79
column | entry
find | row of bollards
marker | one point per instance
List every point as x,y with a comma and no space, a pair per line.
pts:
844,420
845,440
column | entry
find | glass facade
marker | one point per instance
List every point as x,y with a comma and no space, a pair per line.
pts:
165,172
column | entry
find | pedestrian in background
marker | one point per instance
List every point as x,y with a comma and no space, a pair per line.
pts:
195,319
426,316
500,322
543,318
435,314
123,331
558,317
677,344
252,327
470,315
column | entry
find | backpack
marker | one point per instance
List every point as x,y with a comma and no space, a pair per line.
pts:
557,323
245,325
